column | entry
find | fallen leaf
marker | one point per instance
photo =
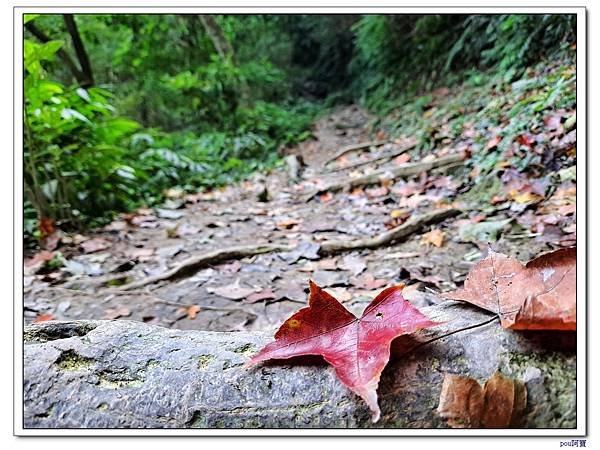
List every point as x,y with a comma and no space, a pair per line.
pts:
487,231
46,227
358,349
306,250
143,252
539,295
258,296
493,142
327,278
186,230
500,403
232,267
95,245
122,311
44,318
169,214
326,197
433,237
287,224
340,293
232,291
170,251
377,192
526,197
402,159
367,281
399,213
192,311
353,264
39,259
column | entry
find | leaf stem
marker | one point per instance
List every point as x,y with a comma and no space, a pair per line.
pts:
437,338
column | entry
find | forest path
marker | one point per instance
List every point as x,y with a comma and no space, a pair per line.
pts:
258,292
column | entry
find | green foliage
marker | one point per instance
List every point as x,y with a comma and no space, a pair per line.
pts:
398,56
168,111
85,160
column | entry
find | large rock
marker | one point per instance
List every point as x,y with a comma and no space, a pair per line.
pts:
129,374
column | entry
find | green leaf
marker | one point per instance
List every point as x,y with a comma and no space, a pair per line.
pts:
29,17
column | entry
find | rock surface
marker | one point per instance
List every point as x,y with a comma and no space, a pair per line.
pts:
118,373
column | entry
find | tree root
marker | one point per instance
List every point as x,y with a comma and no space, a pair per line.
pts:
390,173
389,155
353,147
193,264
411,226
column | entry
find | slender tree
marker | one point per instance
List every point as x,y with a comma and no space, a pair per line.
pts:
82,56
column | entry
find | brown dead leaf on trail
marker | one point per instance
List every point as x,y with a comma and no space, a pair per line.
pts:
493,142
232,291
136,253
95,245
499,404
48,233
44,318
377,192
367,281
192,311
288,224
122,311
399,216
326,197
539,295
353,264
232,267
433,237
39,259
267,294
402,159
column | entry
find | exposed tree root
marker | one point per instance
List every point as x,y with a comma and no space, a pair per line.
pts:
390,173
191,265
353,147
411,226
194,263
389,155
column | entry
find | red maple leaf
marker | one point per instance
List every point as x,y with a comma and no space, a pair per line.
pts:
358,348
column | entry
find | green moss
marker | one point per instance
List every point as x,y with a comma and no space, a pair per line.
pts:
245,349
71,361
204,361
559,383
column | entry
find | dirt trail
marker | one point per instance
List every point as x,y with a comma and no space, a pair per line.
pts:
258,292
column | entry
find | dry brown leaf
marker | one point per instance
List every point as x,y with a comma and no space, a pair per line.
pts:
461,401
433,237
232,291
95,245
500,403
537,296
267,294
122,311
44,318
367,281
192,311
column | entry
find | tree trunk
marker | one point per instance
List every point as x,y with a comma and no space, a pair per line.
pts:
82,56
215,33
62,54
224,49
